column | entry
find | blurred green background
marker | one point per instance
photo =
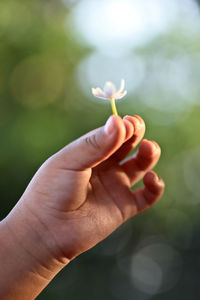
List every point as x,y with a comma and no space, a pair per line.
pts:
51,53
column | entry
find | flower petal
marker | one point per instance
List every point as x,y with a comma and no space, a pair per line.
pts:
119,95
122,86
99,93
109,89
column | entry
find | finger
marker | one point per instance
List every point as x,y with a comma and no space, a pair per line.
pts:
145,159
139,126
150,194
129,130
132,140
91,149
134,202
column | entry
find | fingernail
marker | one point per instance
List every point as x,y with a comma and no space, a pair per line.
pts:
138,123
155,146
109,127
156,177
129,128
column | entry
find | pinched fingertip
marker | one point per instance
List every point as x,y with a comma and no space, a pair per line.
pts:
137,122
115,125
154,183
149,149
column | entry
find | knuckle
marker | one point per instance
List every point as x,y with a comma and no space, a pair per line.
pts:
92,142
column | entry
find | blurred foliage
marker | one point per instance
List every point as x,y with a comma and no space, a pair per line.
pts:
42,108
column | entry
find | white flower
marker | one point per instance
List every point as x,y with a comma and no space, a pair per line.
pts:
109,92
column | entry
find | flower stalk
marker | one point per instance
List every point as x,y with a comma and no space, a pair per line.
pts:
114,109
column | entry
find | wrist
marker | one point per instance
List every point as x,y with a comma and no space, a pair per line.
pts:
27,255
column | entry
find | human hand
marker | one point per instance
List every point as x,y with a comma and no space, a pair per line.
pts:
82,193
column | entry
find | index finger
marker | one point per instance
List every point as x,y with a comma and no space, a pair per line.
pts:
133,141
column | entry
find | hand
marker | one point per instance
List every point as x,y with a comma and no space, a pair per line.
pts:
82,193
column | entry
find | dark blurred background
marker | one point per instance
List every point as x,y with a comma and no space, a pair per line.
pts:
51,53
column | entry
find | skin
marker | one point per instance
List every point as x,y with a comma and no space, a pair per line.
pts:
77,198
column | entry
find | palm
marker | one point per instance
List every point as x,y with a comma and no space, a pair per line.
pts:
103,203
99,210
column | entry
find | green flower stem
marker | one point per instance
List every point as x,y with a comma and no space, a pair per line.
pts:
114,109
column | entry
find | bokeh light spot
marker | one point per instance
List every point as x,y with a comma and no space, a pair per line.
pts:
15,19
156,268
37,81
118,25
97,68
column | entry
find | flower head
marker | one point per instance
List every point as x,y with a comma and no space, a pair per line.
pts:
110,91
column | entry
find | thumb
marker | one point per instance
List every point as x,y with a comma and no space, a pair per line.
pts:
94,147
